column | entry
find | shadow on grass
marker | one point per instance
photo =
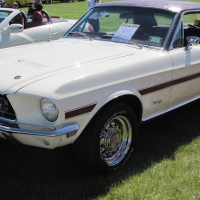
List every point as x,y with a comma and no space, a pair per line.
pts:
34,173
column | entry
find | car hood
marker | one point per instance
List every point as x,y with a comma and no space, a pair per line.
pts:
23,65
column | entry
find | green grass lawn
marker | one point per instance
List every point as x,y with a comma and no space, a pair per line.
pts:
66,10
164,166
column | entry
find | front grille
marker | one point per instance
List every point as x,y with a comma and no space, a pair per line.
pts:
6,110
2,123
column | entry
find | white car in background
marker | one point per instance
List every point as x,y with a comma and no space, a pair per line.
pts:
14,34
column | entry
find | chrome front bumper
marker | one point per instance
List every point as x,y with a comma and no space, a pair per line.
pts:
10,132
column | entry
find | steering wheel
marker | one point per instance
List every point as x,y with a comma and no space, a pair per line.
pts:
45,14
190,25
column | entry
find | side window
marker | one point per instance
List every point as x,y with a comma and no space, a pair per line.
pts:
189,19
4,14
191,25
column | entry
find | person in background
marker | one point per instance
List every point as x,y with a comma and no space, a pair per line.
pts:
2,4
69,1
18,19
94,20
36,6
15,5
92,3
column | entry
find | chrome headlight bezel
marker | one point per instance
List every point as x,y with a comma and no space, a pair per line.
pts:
49,110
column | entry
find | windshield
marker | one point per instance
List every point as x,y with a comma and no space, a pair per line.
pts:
4,14
145,26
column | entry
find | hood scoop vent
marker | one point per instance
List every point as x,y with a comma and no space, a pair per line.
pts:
31,64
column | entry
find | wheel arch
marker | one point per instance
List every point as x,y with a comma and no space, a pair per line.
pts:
87,148
127,96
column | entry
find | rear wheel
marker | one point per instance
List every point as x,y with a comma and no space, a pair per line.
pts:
108,141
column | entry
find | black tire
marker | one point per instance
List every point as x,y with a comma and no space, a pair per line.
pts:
108,142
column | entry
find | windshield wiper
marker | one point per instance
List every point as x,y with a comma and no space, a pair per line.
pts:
80,33
127,40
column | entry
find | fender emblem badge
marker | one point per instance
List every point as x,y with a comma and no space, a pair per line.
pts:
155,102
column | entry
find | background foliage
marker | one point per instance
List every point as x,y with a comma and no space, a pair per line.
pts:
66,10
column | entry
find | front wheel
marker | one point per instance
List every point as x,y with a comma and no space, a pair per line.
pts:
108,141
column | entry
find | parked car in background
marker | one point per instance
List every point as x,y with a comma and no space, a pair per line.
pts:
19,2
95,86
2,4
16,28
62,1
50,1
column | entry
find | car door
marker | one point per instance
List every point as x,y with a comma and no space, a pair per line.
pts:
35,34
186,67
31,35
185,76
58,29
55,33
27,36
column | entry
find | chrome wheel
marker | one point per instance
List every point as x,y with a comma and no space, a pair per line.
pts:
109,139
115,140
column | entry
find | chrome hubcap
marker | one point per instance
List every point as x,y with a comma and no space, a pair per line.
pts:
115,140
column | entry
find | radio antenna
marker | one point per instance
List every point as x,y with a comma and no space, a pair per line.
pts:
48,40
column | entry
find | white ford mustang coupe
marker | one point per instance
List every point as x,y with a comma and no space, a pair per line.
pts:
16,29
92,88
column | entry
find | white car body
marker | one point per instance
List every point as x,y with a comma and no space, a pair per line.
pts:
82,76
15,34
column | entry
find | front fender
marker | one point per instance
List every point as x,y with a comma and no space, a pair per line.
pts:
113,95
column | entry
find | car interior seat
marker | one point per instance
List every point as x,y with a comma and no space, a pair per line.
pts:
18,20
192,30
37,20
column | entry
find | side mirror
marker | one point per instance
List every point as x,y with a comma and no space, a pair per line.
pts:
13,28
192,40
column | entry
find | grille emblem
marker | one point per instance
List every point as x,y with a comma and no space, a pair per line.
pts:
2,105
6,110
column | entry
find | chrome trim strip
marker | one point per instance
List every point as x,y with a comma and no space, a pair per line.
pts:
65,130
11,121
166,44
170,109
172,32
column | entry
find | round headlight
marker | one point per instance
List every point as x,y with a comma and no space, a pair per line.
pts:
49,110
